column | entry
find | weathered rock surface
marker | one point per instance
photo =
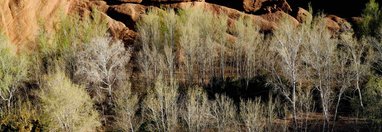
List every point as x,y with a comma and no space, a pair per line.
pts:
266,5
172,0
130,1
126,13
279,16
338,24
303,16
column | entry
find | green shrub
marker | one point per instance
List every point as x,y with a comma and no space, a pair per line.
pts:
22,117
61,44
66,106
372,16
13,70
372,95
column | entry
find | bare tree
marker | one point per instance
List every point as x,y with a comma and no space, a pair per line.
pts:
359,66
127,105
251,112
189,42
246,45
170,27
206,50
151,61
319,56
197,109
223,112
103,63
221,38
305,105
161,106
344,80
286,45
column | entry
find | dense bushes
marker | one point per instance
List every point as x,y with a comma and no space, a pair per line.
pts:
66,106
372,99
372,15
13,70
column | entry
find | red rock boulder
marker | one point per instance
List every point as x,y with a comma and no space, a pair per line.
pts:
337,24
266,6
303,16
130,1
127,13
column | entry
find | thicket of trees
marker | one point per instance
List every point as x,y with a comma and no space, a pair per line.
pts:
80,79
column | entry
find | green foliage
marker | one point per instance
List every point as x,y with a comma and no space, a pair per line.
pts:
66,106
60,45
372,95
13,70
372,17
22,117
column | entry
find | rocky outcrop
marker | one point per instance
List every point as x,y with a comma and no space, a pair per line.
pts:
130,1
338,24
303,16
119,30
279,16
254,6
172,0
266,6
126,13
251,6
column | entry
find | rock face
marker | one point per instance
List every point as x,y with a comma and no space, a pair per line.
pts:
172,0
343,25
303,15
252,5
19,19
130,1
279,16
126,13
266,5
